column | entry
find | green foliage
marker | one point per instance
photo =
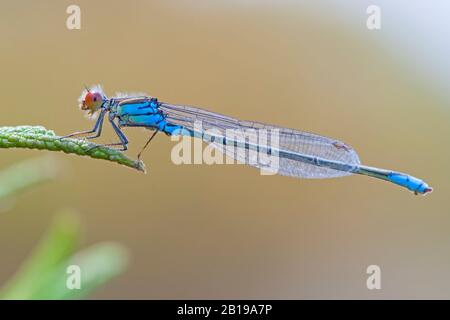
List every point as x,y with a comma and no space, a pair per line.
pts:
98,264
57,246
26,174
44,273
37,137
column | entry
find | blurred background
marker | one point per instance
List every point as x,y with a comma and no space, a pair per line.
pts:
225,231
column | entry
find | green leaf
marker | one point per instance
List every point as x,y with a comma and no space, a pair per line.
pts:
45,274
97,264
57,245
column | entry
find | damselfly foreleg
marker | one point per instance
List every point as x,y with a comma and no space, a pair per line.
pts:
97,129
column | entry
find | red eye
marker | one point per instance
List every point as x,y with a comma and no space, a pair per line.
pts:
92,101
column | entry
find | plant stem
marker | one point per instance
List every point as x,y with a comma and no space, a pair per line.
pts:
37,137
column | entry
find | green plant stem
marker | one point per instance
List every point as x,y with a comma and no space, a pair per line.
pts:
37,137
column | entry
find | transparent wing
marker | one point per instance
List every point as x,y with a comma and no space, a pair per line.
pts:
289,142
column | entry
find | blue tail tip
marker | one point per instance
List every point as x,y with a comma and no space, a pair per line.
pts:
411,183
420,187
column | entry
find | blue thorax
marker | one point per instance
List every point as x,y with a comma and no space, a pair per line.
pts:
141,112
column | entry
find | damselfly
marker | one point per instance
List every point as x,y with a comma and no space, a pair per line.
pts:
300,154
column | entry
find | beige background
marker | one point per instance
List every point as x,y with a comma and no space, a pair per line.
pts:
225,231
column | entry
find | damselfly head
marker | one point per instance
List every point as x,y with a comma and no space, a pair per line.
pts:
91,99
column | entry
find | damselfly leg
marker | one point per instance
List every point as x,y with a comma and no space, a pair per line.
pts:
146,144
123,139
97,129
